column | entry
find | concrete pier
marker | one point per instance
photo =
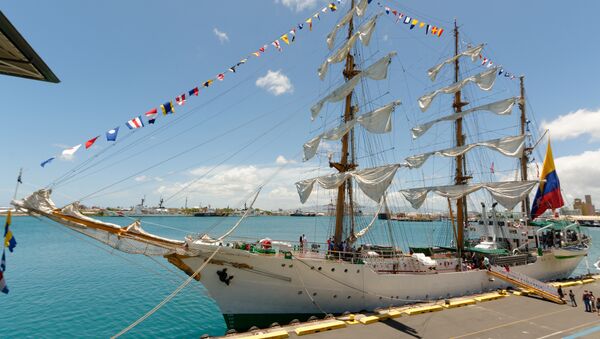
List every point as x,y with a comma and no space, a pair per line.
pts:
489,315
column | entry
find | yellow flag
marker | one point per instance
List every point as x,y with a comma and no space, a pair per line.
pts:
309,22
421,25
285,39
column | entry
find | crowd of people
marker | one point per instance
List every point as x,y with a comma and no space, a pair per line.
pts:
590,302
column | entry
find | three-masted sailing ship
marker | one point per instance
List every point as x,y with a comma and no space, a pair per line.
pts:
269,281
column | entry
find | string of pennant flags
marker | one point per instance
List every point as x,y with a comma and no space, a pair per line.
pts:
149,118
489,63
413,22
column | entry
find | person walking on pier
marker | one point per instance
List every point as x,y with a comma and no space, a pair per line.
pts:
598,305
592,302
572,297
561,294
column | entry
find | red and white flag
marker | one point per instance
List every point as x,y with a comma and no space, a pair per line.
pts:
180,100
151,115
220,76
135,123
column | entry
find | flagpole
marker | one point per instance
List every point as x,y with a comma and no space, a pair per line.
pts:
19,181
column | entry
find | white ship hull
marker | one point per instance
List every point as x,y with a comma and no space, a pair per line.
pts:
267,288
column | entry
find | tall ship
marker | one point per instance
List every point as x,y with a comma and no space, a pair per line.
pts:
265,281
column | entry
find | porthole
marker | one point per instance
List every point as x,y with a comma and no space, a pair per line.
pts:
291,266
299,292
349,297
314,294
312,267
282,265
333,269
357,271
319,268
346,270
335,296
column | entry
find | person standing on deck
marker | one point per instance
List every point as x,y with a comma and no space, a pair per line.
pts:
592,302
301,241
598,305
572,297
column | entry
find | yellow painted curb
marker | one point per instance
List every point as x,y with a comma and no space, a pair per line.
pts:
588,281
369,320
459,303
394,314
424,309
331,325
271,335
488,297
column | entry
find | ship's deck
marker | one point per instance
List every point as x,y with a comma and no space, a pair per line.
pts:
512,316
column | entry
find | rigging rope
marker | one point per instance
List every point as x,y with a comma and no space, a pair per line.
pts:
168,298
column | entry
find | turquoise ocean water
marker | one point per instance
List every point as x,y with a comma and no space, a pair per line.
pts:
65,285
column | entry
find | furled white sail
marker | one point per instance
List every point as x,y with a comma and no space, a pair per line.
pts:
502,107
364,231
343,22
506,193
372,181
377,71
363,34
377,121
472,52
511,146
484,80
359,9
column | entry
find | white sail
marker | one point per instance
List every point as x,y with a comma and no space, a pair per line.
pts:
502,107
377,71
364,231
506,193
511,146
372,181
484,80
377,121
359,9
472,52
363,34
343,22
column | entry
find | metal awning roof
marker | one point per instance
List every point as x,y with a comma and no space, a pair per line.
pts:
17,58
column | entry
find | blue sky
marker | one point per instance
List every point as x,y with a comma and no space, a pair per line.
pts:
118,59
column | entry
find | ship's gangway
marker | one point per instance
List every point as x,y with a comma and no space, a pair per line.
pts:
537,287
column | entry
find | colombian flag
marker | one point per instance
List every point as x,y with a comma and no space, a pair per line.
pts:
9,240
548,193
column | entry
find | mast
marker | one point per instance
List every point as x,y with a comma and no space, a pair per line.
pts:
459,177
524,158
343,165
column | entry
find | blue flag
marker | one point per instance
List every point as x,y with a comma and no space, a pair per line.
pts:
112,134
46,162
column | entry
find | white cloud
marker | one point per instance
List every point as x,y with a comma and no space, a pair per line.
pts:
385,37
579,173
221,35
145,178
575,124
229,185
281,160
276,83
298,5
